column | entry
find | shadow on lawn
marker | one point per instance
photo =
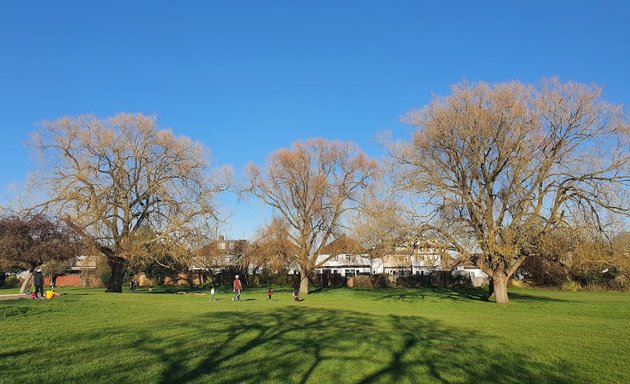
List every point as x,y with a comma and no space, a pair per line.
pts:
455,294
301,345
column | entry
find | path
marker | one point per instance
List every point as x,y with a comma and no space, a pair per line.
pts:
15,296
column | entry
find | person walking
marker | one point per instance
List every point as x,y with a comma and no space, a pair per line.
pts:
237,289
269,294
212,294
38,282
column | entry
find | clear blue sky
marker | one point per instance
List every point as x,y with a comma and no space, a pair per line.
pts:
248,77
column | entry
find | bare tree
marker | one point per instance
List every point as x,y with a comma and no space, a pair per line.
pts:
500,165
126,184
311,186
30,241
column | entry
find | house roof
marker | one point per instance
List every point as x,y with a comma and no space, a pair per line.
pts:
343,245
221,247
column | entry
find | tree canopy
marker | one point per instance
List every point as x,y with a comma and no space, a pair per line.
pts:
500,165
311,186
33,240
125,184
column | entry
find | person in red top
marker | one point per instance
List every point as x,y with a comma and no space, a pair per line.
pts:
237,289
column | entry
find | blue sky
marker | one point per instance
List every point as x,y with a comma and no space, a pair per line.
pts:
248,77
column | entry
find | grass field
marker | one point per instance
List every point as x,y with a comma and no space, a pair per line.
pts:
335,336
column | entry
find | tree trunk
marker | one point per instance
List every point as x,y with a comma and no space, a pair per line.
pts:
27,279
303,283
118,266
490,289
499,283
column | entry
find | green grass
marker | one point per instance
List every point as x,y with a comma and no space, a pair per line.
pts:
9,291
336,336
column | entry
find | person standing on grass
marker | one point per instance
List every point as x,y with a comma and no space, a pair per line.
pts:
237,289
296,293
212,294
269,293
38,282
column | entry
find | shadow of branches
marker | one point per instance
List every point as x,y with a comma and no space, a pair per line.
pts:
297,345
453,294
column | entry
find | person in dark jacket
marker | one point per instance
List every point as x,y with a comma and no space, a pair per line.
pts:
38,282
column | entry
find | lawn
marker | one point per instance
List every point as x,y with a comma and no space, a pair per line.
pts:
335,336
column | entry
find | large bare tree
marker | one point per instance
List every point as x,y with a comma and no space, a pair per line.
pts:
126,184
503,164
311,186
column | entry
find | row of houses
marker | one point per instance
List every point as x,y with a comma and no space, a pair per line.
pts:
345,257
341,257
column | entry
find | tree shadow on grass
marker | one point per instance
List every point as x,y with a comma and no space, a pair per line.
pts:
454,294
302,345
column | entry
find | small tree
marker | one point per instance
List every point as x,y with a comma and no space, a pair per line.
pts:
272,248
501,165
33,240
311,186
54,269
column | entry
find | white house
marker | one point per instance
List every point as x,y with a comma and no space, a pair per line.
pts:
346,264
476,275
415,259
344,256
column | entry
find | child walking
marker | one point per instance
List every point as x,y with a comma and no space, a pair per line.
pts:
269,294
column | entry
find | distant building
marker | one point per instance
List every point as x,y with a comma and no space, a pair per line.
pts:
417,258
468,269
345,257
219,255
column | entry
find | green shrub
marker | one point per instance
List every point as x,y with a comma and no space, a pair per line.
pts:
12,281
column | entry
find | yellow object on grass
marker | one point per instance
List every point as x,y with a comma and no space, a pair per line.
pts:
50,294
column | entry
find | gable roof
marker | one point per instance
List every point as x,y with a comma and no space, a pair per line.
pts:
343,245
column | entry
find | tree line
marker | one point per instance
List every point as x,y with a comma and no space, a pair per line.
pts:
497,172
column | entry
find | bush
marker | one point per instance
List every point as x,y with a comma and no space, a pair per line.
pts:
380,281
435,279
281,277
619,283
374,281
518,283
571,285
360,282
12,281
